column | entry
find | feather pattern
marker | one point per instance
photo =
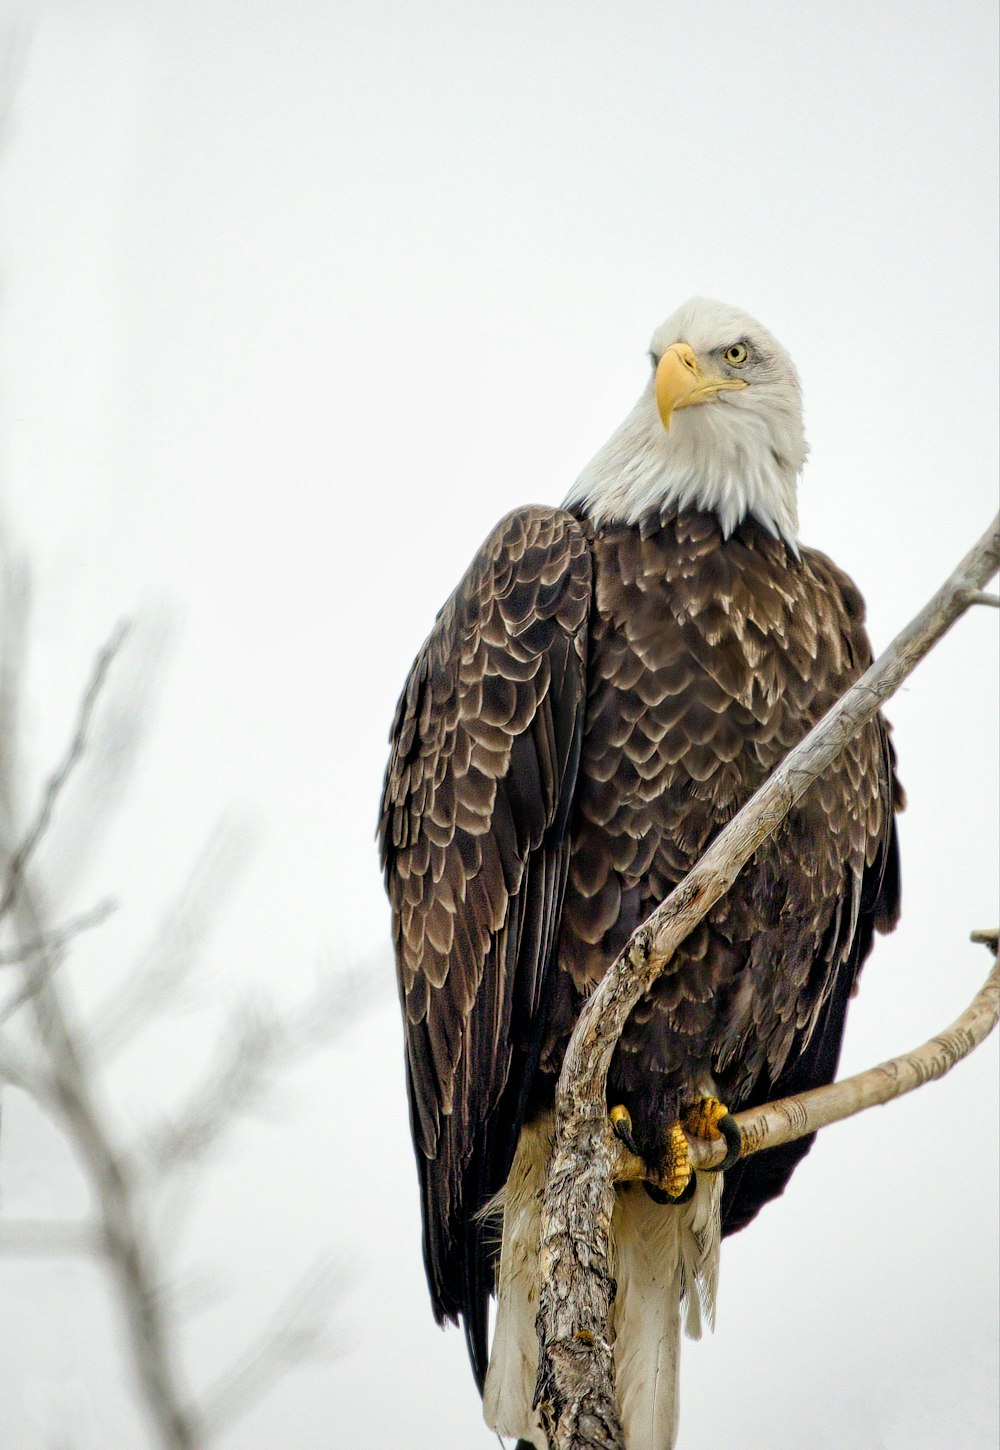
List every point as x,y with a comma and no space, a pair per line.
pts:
592,706
709,658
475,850
604,690
508,1399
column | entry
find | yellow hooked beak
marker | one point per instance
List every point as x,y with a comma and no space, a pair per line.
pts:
680,382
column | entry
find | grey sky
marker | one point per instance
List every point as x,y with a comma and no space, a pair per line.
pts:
297,301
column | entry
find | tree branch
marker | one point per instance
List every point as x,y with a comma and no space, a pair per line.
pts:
61,1063
125,1239
40,958
575,1389
57,780
58,938
787,1119
65,1084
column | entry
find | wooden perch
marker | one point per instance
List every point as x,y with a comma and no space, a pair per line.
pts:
575,1390
787,1119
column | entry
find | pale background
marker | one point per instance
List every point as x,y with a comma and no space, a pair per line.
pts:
296,301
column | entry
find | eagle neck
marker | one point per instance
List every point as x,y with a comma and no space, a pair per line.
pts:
687,525
725,462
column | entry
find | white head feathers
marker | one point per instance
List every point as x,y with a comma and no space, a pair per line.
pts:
737,453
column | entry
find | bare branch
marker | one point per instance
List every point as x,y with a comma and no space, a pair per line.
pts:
63,1071
69,1089
59,937
127,1246
575,1388
57,780
44,955
125,1238
86,812
787,1119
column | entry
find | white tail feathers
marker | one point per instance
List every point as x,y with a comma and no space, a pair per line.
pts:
661,1257
510,1379
665,1260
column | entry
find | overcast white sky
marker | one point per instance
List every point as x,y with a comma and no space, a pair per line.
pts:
296,301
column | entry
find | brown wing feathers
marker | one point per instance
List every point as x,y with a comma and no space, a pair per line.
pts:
650,678
869,767
473,837
710,659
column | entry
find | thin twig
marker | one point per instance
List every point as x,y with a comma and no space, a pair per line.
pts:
44,955
59,937
57,780
254,1046
251,1043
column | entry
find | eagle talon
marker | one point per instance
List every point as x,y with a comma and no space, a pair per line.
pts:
728,1129
710,1119
702,1118
621,1123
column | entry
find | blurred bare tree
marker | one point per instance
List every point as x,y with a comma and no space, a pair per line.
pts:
59,1056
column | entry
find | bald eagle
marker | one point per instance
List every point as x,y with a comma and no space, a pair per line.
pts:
609,683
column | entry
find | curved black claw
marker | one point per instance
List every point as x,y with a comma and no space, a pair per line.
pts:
729,1128
660,1195
622,1125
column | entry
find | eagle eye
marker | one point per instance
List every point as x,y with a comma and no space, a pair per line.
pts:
737,354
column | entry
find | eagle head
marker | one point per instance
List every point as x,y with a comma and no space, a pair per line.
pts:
718,427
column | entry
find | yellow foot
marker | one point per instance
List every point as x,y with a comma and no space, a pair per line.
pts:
676,1163
712,1120
702,1121
707,1119
676,1166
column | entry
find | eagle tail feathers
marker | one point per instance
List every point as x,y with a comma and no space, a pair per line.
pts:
665,1260
666,1266
510,1379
